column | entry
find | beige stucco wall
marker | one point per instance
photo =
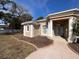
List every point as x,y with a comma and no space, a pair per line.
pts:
37,32
41,29
28,33
34,31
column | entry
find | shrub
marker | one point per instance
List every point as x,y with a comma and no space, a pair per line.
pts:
76,28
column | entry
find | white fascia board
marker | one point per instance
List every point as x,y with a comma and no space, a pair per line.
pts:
40,20
75,9
31,22
28,22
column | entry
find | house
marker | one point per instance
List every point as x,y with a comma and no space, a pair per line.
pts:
2,24
56,24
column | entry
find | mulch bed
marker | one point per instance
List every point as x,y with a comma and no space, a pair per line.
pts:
74,47
39,41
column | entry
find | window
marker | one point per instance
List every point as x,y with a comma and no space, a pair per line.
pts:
45,29
27,27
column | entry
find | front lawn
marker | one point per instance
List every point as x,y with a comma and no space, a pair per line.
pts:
11,48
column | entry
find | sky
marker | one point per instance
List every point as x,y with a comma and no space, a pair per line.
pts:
44,7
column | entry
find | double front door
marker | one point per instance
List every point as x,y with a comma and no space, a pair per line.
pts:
59,30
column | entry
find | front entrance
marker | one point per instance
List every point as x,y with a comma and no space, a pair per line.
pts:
61,28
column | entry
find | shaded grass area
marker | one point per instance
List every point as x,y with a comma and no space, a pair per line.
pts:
74,47
39,41
10,48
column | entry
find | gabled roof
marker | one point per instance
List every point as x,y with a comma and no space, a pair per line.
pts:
70,12
32,22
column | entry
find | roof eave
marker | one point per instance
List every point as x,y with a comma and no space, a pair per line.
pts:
75,9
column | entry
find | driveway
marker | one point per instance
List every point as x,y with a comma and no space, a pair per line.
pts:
57,50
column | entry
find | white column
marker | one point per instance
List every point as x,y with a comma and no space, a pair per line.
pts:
24,30
31,26
50,29
70,35
41,26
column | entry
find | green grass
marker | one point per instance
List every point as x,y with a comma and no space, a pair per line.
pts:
11,48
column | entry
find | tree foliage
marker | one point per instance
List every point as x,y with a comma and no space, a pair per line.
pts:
25,17
16,14
15,24
1,15
76,28
39,18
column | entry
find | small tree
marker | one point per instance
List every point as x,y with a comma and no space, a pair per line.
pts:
15,24
39,18
1,15
76,28
16,14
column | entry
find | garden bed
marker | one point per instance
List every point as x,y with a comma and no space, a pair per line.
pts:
74,47
39,41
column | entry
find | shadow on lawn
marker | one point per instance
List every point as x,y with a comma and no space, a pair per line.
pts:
39,41
74,47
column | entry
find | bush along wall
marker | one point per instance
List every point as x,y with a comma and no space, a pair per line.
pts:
76,28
